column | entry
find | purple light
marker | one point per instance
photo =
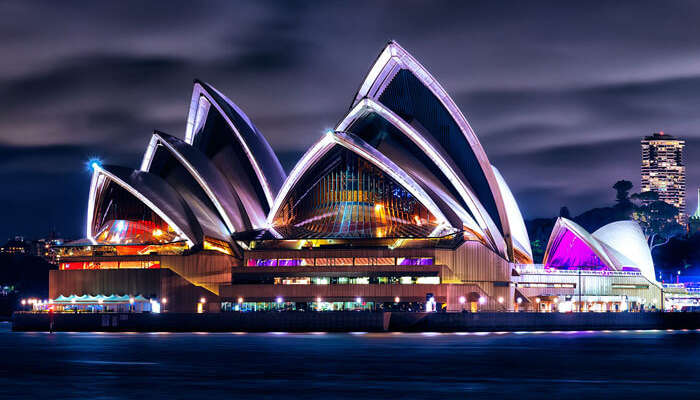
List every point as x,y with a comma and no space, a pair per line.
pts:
570,251
289,263
261,262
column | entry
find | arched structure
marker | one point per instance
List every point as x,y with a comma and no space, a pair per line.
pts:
617,246
122,199
627,239
227,137
202,185
403,92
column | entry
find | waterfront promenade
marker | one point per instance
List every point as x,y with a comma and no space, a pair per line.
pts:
352,322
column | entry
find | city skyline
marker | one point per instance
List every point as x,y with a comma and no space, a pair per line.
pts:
585,98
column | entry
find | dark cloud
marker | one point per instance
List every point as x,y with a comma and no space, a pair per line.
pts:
558,93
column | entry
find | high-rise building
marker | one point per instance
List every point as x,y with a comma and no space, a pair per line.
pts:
663,170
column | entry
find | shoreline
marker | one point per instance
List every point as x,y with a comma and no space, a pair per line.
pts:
353,322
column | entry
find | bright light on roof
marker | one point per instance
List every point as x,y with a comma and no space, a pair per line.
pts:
93,163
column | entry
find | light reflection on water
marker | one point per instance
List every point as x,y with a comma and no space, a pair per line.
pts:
523,365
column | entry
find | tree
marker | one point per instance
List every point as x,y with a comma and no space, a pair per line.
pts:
623,188
658,221
645,197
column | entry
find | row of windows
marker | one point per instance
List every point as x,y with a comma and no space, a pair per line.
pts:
546,285
110,265
362,280
338,261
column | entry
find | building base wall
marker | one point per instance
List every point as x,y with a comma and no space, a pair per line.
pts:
157,284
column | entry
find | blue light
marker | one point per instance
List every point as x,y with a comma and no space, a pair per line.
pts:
93,163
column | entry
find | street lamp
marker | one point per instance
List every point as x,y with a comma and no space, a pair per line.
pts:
537,300
397,299
462,300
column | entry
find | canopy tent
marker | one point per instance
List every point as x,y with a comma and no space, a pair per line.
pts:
99,299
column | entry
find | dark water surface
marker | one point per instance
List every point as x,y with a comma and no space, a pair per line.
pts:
622,365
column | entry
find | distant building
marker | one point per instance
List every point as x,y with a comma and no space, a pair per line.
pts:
44,248
663,170
16,246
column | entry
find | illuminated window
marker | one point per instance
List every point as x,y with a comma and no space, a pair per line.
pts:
428,280
342,261
261,262
288,262
414,261
294,281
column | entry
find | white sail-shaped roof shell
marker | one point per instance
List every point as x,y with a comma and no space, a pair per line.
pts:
207,176
267,174
476,218
483,183
627,238
521,240
618,245
152,191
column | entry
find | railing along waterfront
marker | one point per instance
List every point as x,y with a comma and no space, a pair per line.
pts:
542,269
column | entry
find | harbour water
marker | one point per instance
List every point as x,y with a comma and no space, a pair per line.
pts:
621,365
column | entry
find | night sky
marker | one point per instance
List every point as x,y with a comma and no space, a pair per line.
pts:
559,94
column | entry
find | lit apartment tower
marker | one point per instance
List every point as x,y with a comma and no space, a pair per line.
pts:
663,170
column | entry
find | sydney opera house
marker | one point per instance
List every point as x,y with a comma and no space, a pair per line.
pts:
397,208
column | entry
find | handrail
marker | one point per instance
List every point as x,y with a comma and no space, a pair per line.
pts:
541,269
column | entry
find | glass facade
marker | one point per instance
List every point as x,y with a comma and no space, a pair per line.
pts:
345,196
338,261
352,280
110,265
121,218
